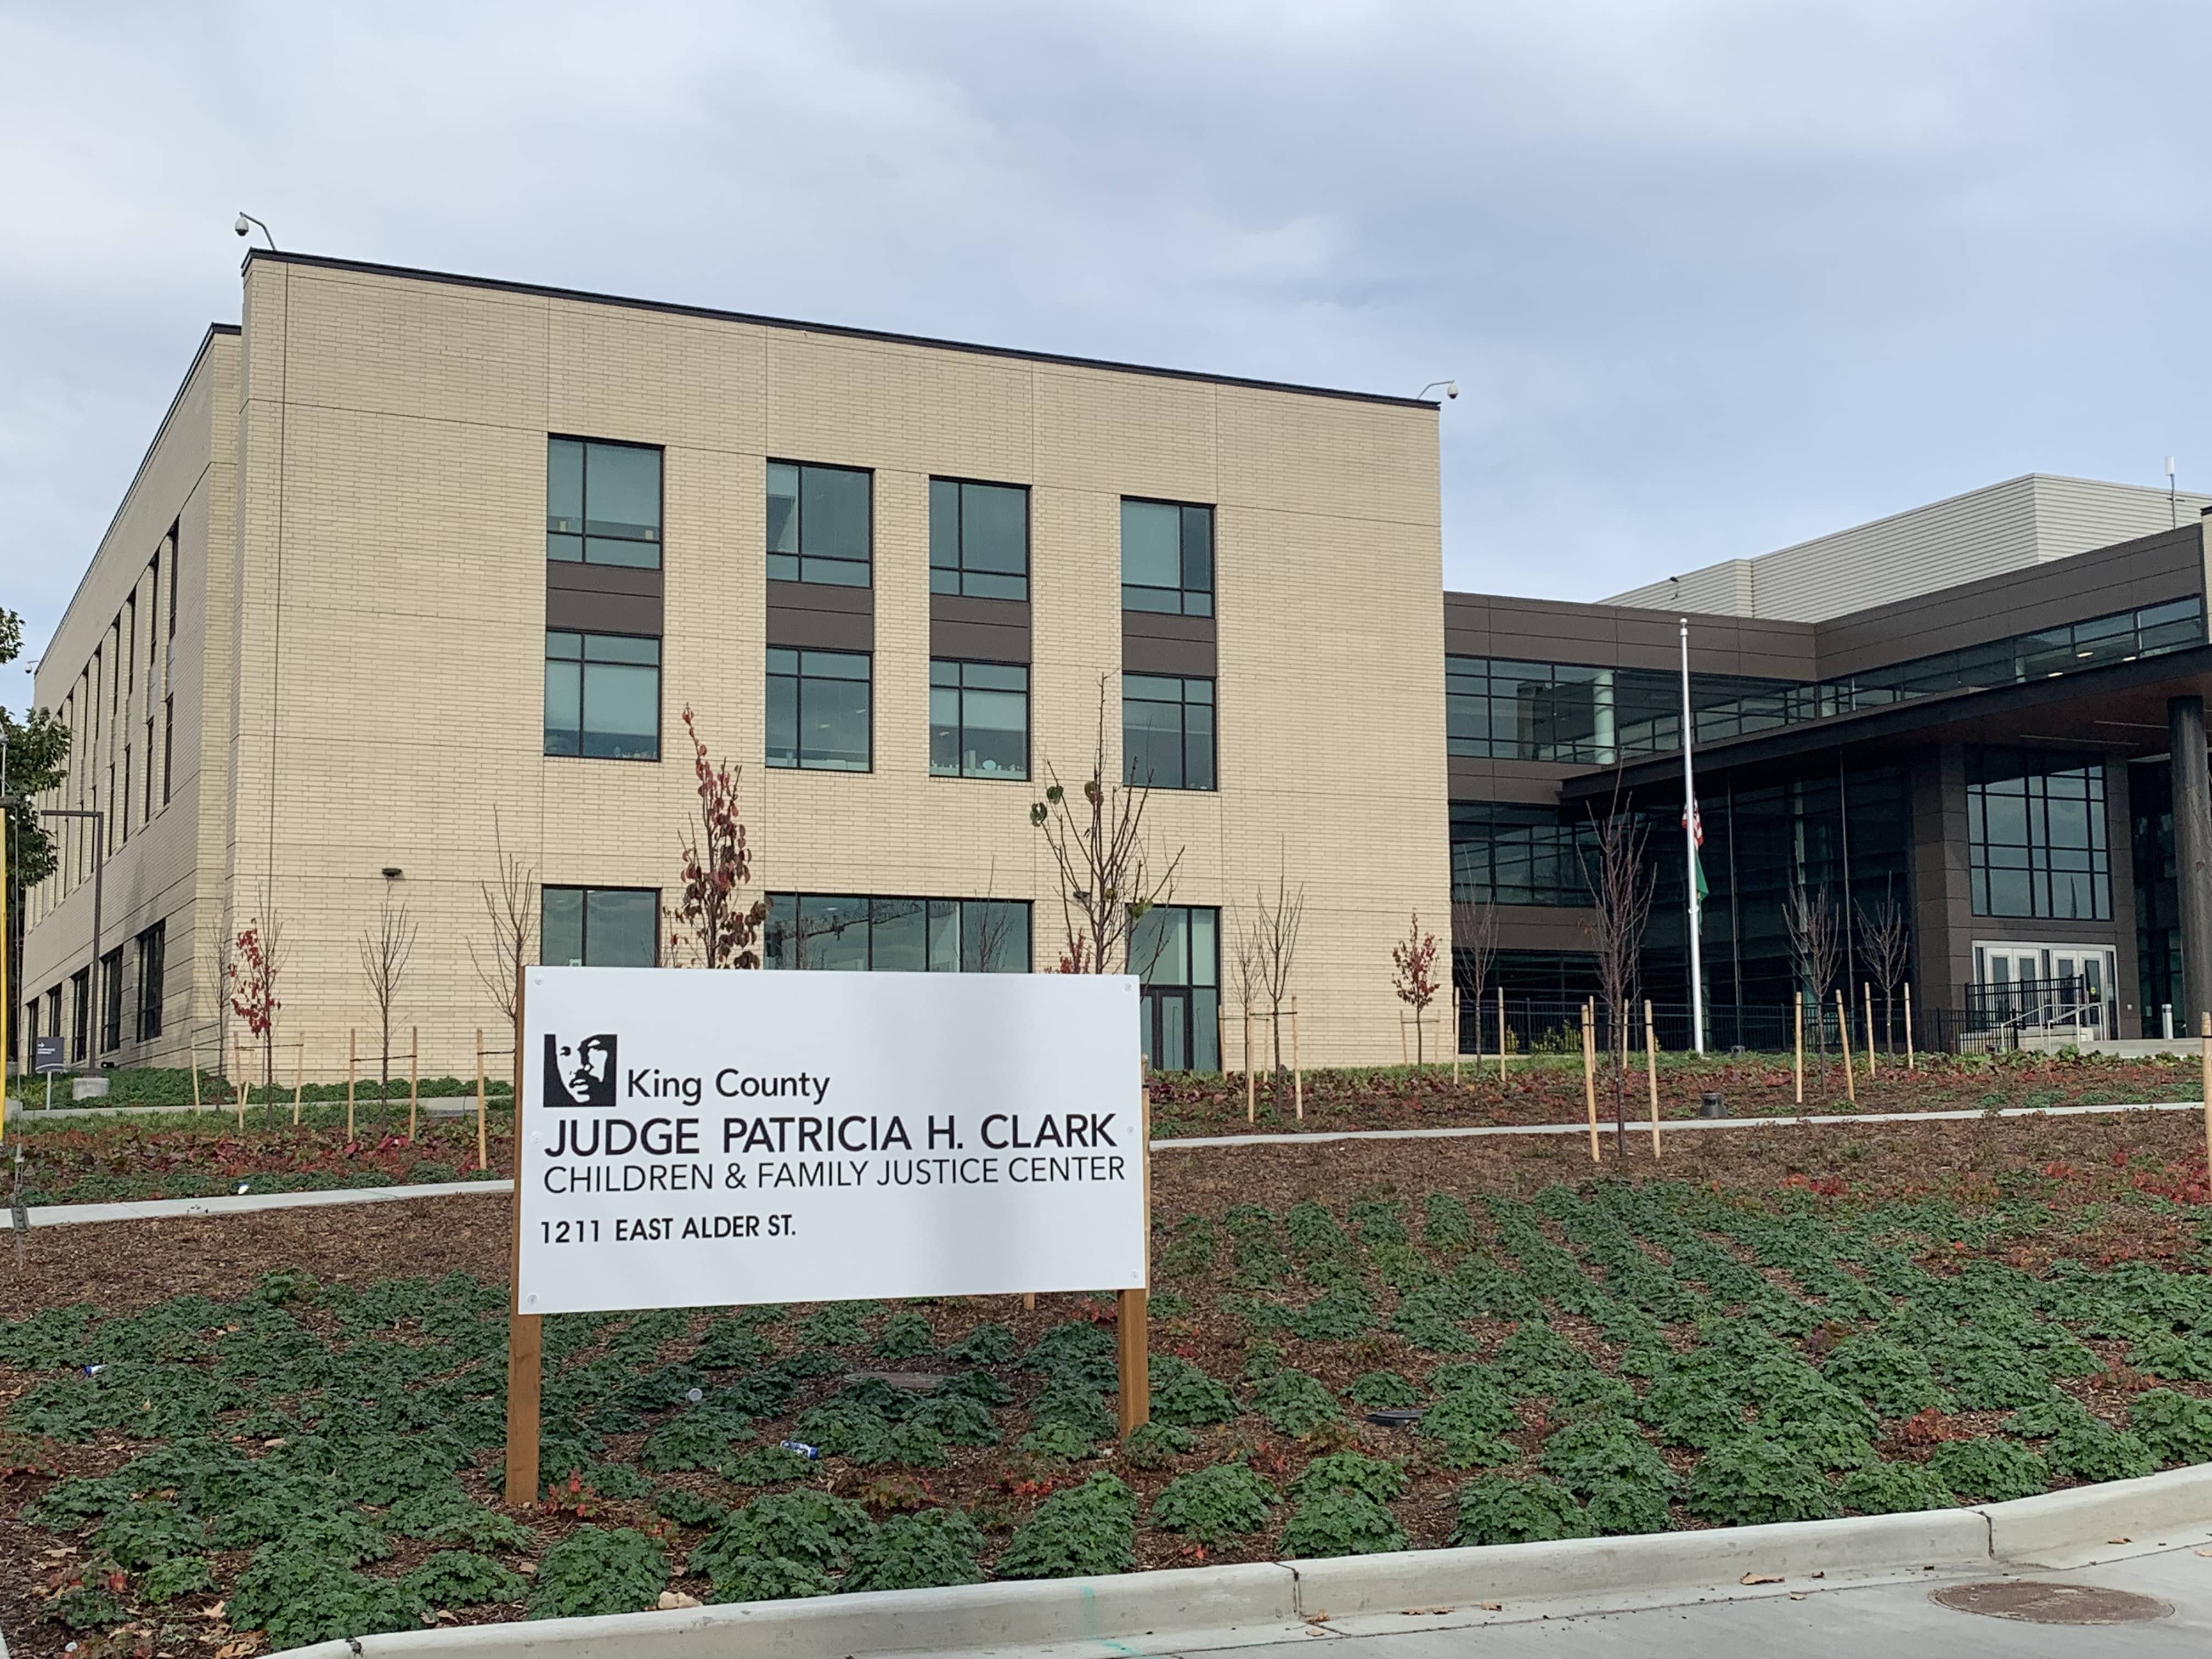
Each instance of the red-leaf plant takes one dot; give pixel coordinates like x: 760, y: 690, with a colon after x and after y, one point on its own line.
x: 719, y: 930
x: 1413, y: 975
x: 253, y: 998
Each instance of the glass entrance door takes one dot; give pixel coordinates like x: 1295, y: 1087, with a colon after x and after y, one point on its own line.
x: 2046, y: 988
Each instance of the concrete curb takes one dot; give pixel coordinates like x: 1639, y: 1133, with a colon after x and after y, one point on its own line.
x: 1187, y: 1609
x: 173, y: 1209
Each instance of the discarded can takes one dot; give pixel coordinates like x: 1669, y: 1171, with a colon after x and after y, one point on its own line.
x: 811, y: 1453
x: 92, y: 1370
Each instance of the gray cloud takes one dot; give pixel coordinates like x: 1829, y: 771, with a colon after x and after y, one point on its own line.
x: 1714, y: 276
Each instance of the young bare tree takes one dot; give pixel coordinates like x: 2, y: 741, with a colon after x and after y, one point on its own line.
x: 1620, y: 909
x: 259, y: 958
x: 1106, y: 884
x: 510, y: 902
x: 1886, y: 944
x: 719, y: 930
x: 1476, y: 924
x: 1245, y: 944
x: 384, y: 955
x: 1276, y: 919
x: 1816, y: 943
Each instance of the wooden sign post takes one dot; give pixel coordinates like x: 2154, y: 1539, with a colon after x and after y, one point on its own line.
x: 1133, y: 1315
x: 1651, y: 1071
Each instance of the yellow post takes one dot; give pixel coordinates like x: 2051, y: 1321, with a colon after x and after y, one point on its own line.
x: 1251, y: 1097
x: 353, y: 1057
x: 1798, y: 1019
x: 1501, y: 1034
x: 299, y: 1079
x: 1844, y: 1037
x: 1589, y: 1075
x: 1651, y: 1071
x: 414, y: 1077
x: 1910, y: 1065
x: 1869, y: 1028
x: 483, y: 1155
x: 1298, y: 1076
x: 192, y: 1053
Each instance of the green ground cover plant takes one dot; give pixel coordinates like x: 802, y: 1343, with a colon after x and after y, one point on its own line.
x: 1602, y: 1358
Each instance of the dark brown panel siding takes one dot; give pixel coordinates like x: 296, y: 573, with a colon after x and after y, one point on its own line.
x: 979, y: 630
x: 814, y: 615
x: 603, y: 599
x: 1152, y: 644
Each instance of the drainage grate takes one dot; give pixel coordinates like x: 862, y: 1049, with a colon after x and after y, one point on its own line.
x: 2044, y: 1603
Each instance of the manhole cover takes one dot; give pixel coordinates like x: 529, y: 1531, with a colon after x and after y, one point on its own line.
x: 2053, y: 1604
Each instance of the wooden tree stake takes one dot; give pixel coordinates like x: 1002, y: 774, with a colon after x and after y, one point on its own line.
x: 299, y: 1079
x: 1797, y: 1020
x: 483, y: 1159
x: 1910, y: 1065
x: 414, y: 1079
x: 1251, y: 1097
x: 524, y: 1333
x: 2206, y: 1041
x: 1298, y: 1075
x: 1589, y: 1075
x: 1844, y: 1037
x: 1651, y: 1071
x: 1869, y: 1028
x: 242, y: 1092
x: 1132, y: 1311
x: 1501, y: 1034
x: 353, y: 1059
x: 193, y: 1049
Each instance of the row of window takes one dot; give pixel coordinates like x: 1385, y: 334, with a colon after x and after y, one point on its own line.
x: 1586, y: 716
x: 602, y: 701
x: 603, y: 506
x: 1175, y: 951
x: 44, y: 1016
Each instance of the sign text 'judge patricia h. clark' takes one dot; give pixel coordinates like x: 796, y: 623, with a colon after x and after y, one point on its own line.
x: 694, y: 1138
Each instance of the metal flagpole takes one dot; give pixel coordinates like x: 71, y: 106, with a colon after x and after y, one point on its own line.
x: 1690, y: 836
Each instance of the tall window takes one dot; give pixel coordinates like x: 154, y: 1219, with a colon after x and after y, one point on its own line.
x: 111, y: 1000
x: 1506, y: 853
x: 859, y: 934
x: 79, y: 1015
x: 820, y: 524
x: 979, y: 720
x: 1175, y: 950
x: 602, y: 696
x: 598, y: 927
x: 1167, y: 558
x: 602, y: 503
x: 168, y: 744
x: 1167, y: 732
x: 152, y: 951
x: 2036, y: 842
x: 818, y: 709
x: 979, y: 539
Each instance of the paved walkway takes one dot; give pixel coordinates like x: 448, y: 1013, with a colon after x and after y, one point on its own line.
x: 1891, y: 1620
x: 64, y: 1215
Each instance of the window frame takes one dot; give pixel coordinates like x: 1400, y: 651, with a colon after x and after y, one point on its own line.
x: 1183, y: 591
x: 959, y: 691
x: 659, y: 541
x: 1182, y: 705
x: 958, y: 571
x: 583, y: 663
x: 801, y: 679
x: 2022, y: 782
x: 584, y: 920
x: 1193, y: 996
x: 801, y: 558
x: 153, y: 965
x: 110, y: 983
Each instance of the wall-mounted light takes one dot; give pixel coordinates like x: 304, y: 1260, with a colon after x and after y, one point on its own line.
x: 392, y: 873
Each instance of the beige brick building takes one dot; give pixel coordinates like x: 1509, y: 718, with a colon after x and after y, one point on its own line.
x: 338, y: 627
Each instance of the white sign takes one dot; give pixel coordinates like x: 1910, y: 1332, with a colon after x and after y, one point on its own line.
x: 695, y: 1138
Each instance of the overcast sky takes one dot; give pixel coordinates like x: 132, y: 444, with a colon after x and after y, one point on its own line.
x: 1713, y: 275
